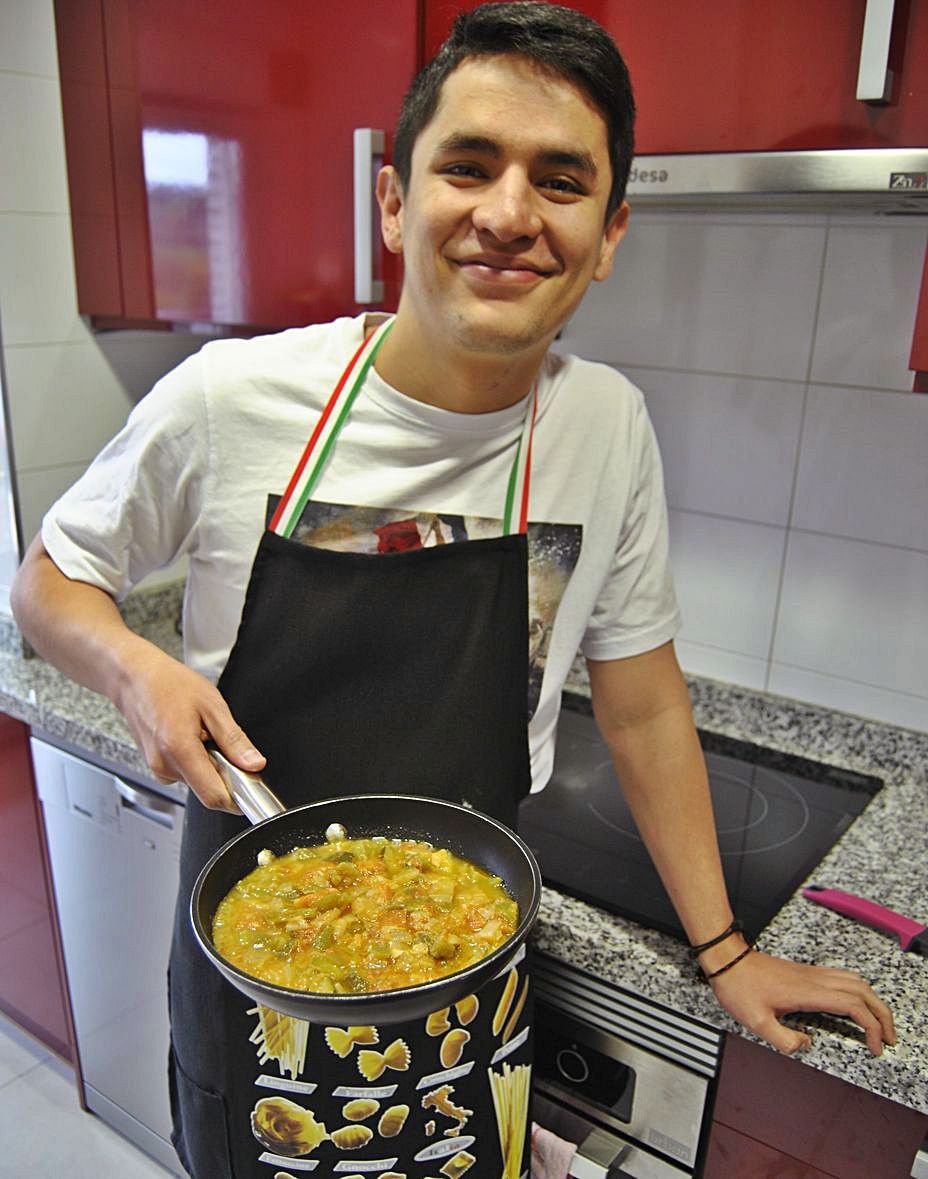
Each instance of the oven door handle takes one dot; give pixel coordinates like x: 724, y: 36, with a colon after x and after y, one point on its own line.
x: 599, y: 1156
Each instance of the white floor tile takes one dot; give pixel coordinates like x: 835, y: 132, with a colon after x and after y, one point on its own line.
x: 45, y: 1132
x: 19, y: 1053
x: 43, y: 1129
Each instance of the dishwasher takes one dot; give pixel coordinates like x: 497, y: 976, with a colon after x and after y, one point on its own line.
x: 114, y: 848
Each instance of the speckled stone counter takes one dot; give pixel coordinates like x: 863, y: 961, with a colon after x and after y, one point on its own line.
x: 883, y: 855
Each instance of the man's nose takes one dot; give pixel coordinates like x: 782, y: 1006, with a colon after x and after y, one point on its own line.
x: 507, y: 208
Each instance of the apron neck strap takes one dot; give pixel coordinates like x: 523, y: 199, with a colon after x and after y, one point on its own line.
x: 319, y: 447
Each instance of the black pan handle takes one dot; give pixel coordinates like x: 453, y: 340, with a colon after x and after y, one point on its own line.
x: 253, y: 796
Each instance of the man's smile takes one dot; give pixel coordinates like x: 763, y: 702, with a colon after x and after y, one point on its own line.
x: 502, y: 268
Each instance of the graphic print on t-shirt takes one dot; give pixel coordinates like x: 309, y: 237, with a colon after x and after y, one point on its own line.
x: 553, y: 552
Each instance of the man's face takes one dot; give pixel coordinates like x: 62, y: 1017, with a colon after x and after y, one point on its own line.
x: 503, y: 226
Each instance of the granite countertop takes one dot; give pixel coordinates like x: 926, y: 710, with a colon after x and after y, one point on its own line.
x: 882, y: 855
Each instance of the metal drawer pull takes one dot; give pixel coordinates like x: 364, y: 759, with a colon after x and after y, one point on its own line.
x: 159, y: 810
x: 598, y: 1156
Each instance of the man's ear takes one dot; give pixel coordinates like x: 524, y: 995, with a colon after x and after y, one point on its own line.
x: 390, y: 199
x: 615, y: 230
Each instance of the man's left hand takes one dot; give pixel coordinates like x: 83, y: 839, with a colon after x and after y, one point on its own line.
x: 761, y: 989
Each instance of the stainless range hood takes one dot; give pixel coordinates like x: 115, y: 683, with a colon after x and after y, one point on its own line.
x: 878, y: 180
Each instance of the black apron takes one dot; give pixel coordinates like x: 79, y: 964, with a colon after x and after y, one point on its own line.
x: 354, y: 673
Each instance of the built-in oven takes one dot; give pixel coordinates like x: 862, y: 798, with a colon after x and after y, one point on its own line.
x: 628, y: 1080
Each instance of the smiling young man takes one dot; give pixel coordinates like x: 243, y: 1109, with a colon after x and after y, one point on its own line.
x: 503, y: 220
x: 475, y: 509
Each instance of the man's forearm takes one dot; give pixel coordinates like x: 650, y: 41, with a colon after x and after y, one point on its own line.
x: 643, y: 710
x: 75, y: 626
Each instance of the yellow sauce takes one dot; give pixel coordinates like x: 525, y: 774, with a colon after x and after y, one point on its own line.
x: 362, y: 915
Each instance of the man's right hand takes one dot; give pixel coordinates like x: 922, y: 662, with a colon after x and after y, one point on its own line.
x: 171, y: 711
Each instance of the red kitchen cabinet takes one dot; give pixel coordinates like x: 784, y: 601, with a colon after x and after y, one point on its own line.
x: 733, y: 77
x: 32, y: 987
x: 776, y: 1116
x: 210, y: 155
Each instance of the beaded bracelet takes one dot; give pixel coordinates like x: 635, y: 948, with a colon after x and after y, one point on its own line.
x: 728, y: 965
x: 735, y: 927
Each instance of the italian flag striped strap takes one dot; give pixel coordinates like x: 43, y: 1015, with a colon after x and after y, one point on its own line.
x: 322, y: 440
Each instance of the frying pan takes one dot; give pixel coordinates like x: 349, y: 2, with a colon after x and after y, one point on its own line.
x: 466, y: 833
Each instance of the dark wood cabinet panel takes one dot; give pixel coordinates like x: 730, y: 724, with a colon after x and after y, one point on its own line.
x: 731, y: 76
x: 810, y: 1117
x: 32, y: 987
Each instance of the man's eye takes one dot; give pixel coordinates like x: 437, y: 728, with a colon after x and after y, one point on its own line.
x: 467, y: 171
x: 562, y: 184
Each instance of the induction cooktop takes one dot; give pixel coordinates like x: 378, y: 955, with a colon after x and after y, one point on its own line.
x: 776, y: 815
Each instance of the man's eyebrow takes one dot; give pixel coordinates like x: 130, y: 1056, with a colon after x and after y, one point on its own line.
x: 462, y: 141
x: 581, y: 161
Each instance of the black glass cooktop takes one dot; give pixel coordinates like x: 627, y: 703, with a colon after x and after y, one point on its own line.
x: 776, y: 816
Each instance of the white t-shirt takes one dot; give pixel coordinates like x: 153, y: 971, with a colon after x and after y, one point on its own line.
x: 192, y: 470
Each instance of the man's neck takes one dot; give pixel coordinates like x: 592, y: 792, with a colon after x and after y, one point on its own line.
x: 451, y: 378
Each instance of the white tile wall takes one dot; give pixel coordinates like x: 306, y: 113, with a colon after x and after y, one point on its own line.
x: 869, y: 294
x: 27, y: 37
x: 33, y: 137
x: 38, y: 299
x: 720, y: 296
x: 863, y: 467
x: 703, y: 422
x: 850, y: 609
x: 66, y: 389
x: 773, y: 353
x: 727, y: 578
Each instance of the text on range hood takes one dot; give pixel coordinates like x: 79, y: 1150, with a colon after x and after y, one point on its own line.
x: 879, y: 180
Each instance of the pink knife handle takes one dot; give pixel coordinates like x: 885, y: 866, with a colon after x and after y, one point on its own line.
x: 867, y: 912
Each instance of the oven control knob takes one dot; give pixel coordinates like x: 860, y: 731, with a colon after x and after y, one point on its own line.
x: 572, y: 1066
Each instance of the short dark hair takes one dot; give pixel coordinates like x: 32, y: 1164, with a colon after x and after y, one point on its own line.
x: 559, y: 39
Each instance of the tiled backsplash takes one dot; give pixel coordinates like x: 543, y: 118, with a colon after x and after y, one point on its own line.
x: 773, y: 354
x: 772, y: 350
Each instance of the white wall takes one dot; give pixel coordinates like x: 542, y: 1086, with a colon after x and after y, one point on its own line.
x: 67, y: 390
x: 773, y: 353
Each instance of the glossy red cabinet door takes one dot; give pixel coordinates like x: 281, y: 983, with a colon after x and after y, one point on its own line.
x: 736, y: 76
x: 32, y: 990
x: 777, y: 1116
x: 230, y: 123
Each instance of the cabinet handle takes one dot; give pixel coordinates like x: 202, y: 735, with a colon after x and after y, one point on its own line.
x: 368, y: 144
x: 874, y: 77
x: 159, y: 810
